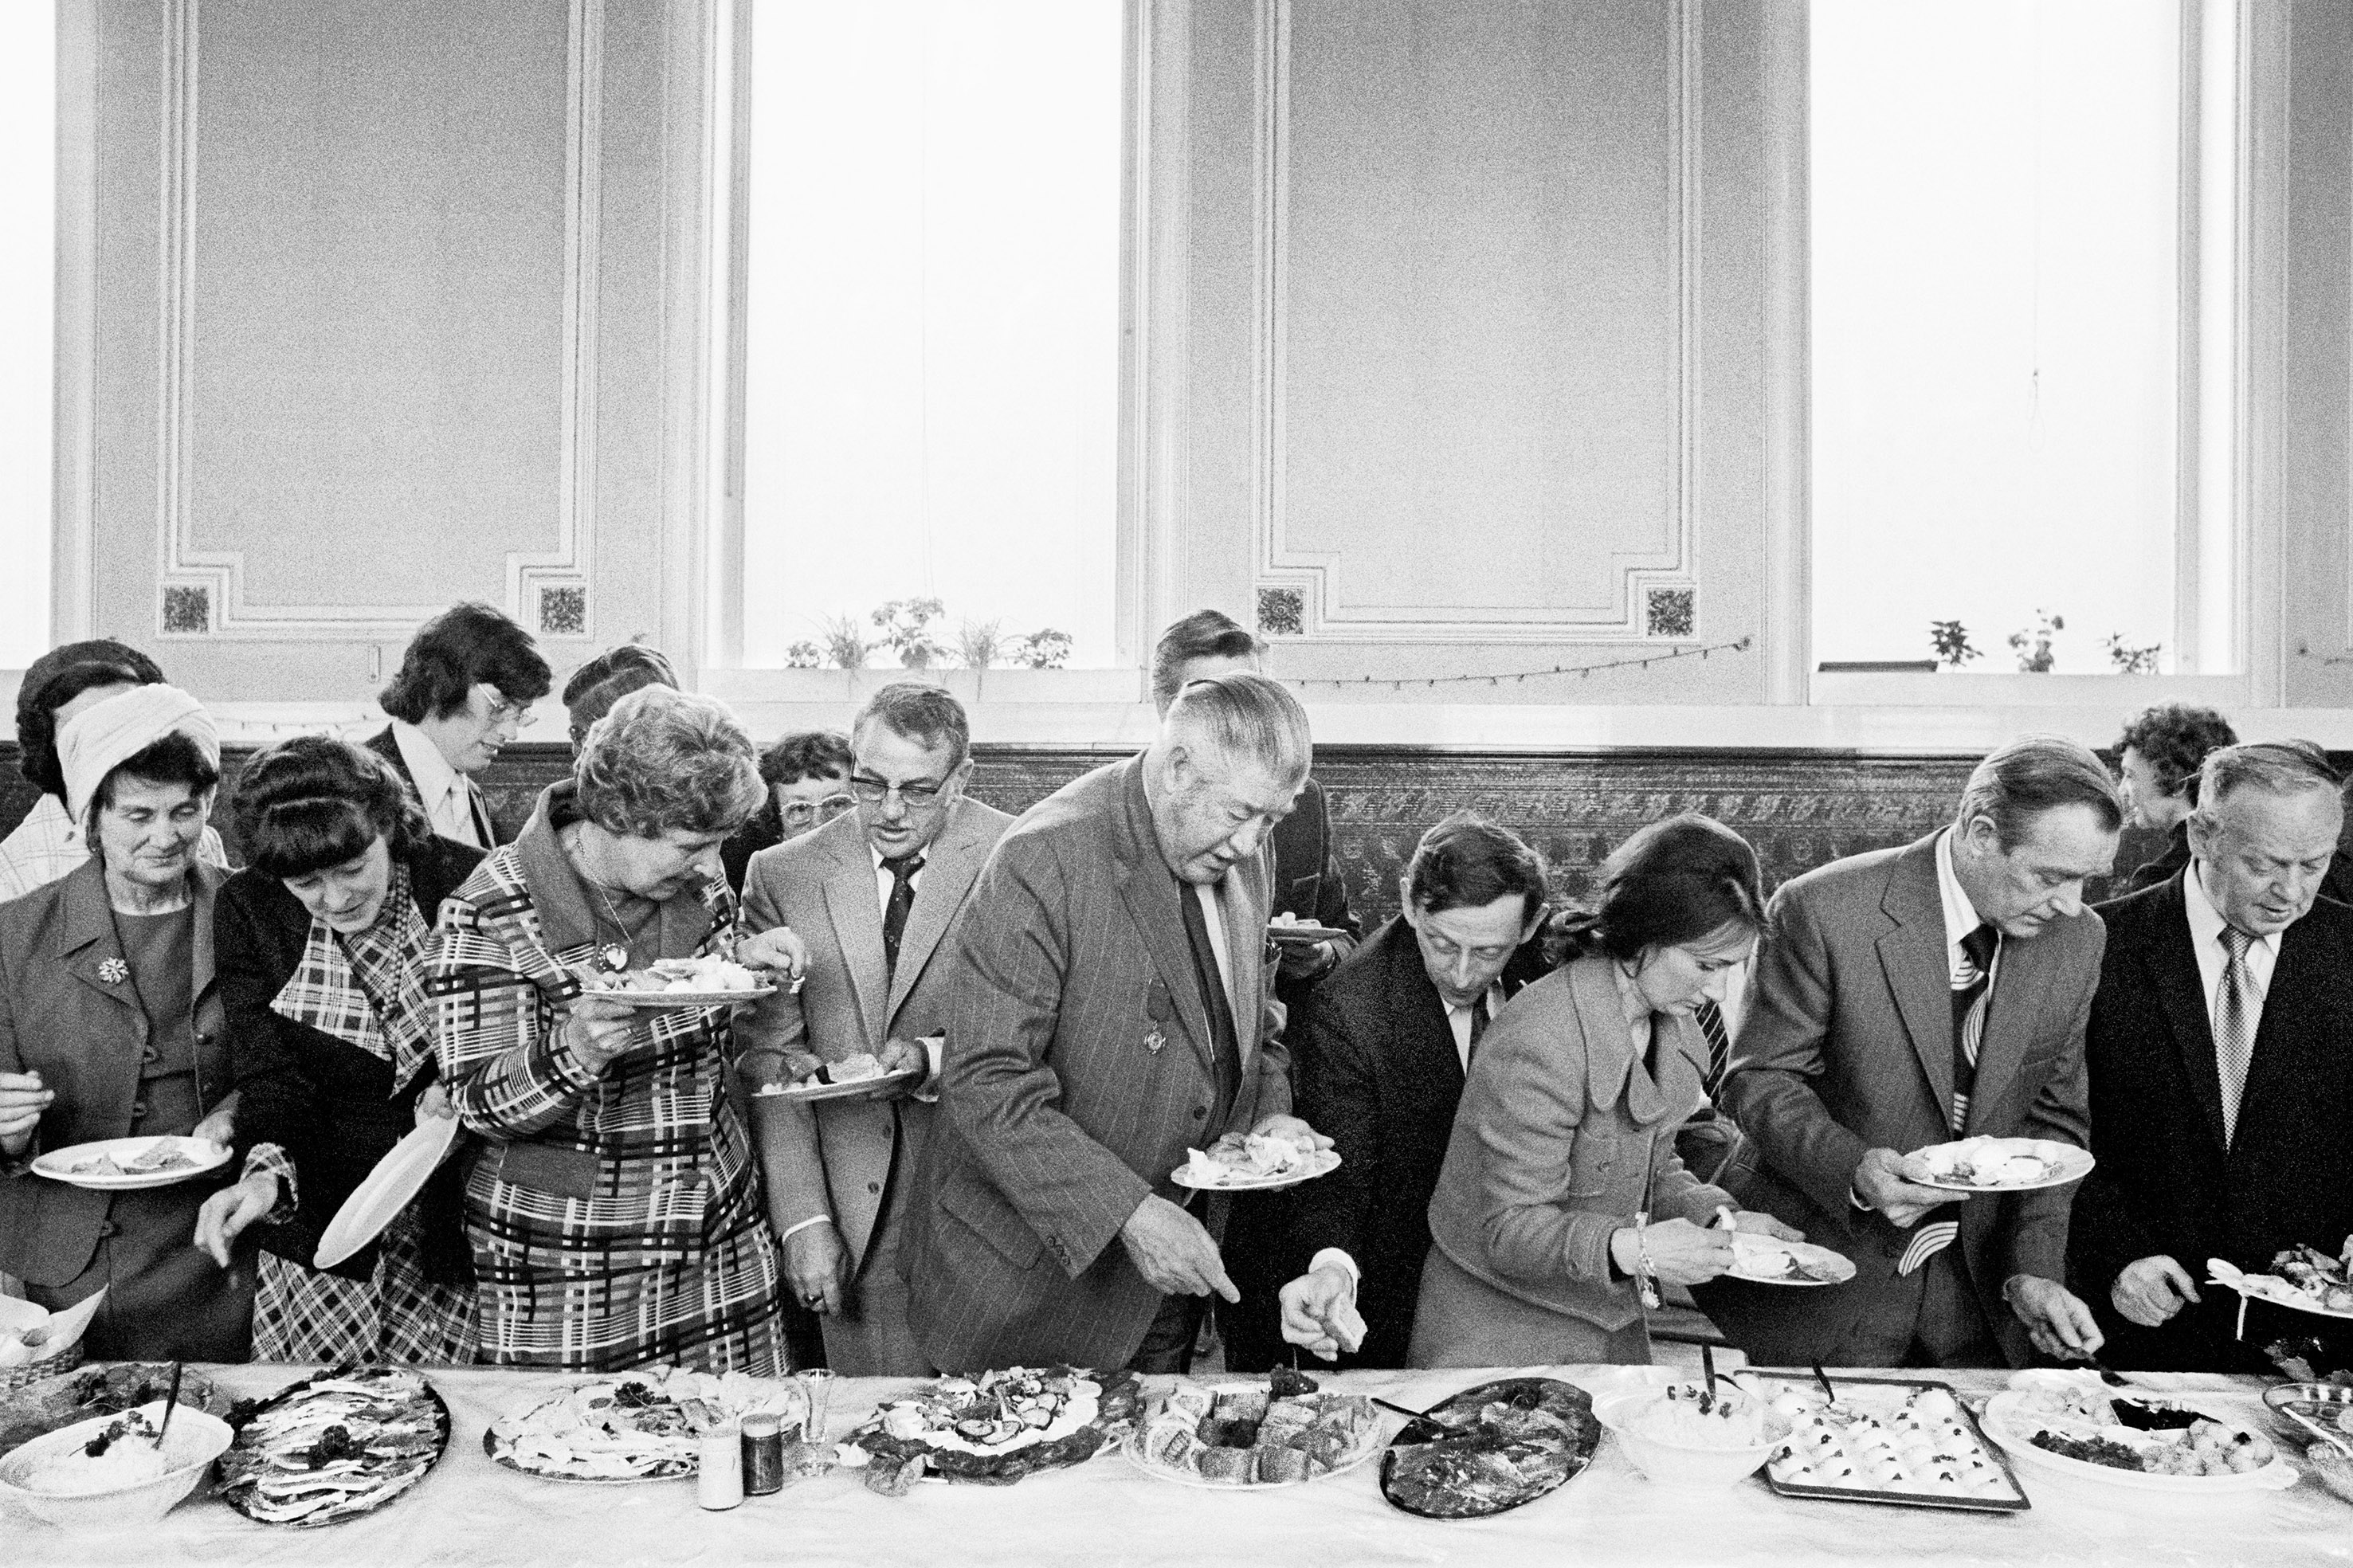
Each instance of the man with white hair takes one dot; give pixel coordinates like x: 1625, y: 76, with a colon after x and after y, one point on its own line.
x: 1109, y: 1007
x: 2222, y: 1109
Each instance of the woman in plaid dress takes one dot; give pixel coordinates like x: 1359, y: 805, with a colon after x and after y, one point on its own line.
x: 321, y: 944
x: 615, y: 1209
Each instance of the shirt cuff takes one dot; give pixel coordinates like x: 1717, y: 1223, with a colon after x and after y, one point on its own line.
x: 1856, y: 1199
x: 270, y: 1160
x: 788, y: 1233
x: 1336, y: 1259
x: 928, y: 1092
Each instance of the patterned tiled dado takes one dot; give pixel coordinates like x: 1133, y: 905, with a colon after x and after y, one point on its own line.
x: 1800, y: 809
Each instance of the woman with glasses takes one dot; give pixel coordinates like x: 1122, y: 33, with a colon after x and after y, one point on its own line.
x: 1562, y: 1206
x: 615, y: 1207
x: 321, y: 941
x: 464, y: 689
x: 808, y: 779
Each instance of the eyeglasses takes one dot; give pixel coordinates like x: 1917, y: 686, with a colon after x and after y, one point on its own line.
x: 913, y: 796
x: 500, y: 709
x: 809, y: 813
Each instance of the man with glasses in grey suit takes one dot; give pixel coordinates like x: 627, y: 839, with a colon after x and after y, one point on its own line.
x: 1110, y: 1007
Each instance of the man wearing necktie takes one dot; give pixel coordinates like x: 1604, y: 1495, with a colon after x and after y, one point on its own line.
x: 1379, y: 1053
x: 2221, y: 1106
x: 876, y: 894
x: 1110, y: 1007
x: 464, y: 689
x: 1909, y: 998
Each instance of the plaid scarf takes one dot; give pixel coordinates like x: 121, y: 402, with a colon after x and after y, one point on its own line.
x: 367, y: 989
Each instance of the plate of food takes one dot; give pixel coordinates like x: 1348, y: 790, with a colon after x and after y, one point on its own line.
x: 641, y: 1425
x: 1883, y: 1440
x: 1490, y: 1449
x: 2000, y: 1164
x: 55, y: 1402
x: 994, y: 1427
x: 1767, y: 1260
x: 1279, y: 1431
x: 1304, y: 933
x: 2303, y: 1279
x: 1247, y: 1163
x: 855, y: 1077
x: 333, y: 1446
x: 707, y: 982
x: 133, y: 1165
x: 2072, y: 1425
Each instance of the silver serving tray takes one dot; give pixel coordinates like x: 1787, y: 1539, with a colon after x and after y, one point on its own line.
x: 1992, y: 1450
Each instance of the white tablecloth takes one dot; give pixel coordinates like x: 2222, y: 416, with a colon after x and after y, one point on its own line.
x: 472, y: 1511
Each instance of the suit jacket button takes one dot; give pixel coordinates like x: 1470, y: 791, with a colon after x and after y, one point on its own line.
x: 1201, y: 1112
x: 106, y: 1227
x: 138, y: 1109
x: 873, y: 1186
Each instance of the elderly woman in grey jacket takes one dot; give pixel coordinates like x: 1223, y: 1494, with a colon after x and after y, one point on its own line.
x: 1562, y: 1202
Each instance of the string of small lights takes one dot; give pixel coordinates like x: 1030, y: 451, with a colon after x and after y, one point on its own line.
x: 1518, y: 677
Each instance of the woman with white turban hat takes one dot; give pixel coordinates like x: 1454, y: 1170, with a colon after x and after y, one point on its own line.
x: 111, y: 1027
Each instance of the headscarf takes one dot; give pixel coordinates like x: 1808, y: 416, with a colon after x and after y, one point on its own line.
x: 105, y: 735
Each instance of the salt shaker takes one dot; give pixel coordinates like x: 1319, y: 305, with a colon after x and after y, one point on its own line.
x: 719, y: 1475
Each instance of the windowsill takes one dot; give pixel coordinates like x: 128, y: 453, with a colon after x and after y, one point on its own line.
x: 1964, y: 689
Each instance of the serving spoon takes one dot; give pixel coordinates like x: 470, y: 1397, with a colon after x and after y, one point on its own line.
x: 171, y: 1403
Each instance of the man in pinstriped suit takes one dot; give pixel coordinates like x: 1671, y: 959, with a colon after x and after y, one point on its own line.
x: 1110, y: 1007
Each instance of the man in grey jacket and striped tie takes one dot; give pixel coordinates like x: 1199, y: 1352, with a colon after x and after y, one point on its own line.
x: 1909, y: 998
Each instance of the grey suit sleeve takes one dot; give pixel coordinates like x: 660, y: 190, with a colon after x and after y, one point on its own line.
x: 2061, y: 1112
x: 1006, y: 983
x: 775, y: 1023
x: 1779, y: 1056
x: 792, y: 1147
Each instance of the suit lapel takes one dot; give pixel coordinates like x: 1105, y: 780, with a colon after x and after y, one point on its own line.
x: 949, y: 868
x: 854, y: 903
x: 88, y: 945
x: 1913, y: 957
x: 1425, y: 1038
x: 1150, y: 893
x: 2173, y: 977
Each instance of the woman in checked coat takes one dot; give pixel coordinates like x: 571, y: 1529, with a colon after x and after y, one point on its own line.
x: 614, y: 1209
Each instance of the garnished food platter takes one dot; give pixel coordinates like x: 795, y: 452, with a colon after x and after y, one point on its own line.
x: 1282, y: 1431
x: 2067, y: 1426
x: 1247, y: 1163
x: 2304, y: 1280
x: 633, y: 1426
x: 133, y: 1165
x: 1896, y: 1441
x: 709, y: 982
x: 1490, y: 1448
x: 996, y: 1428
x: 1768, y: 1260
x: 2001, y: 1164
x: 333, y: 1446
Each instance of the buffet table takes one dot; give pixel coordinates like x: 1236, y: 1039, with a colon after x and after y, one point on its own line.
x: 472, y: 1511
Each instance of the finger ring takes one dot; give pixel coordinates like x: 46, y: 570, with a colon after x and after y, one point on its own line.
x: 814, y: 1299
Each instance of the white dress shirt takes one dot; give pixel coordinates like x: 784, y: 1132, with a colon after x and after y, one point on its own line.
x: 2206, y: 924
x: 1458, y: 1020
x: 882, y: 877
x: 1961, y: 916
x: 445, y: 793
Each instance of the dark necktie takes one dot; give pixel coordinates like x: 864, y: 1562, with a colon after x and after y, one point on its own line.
x: 1225, y: 1043
x: 1719, y: 1046
x: 2234, y: 1030
x: 1478, y: 1027
x: 1972, y: 980
x: 894, y: 913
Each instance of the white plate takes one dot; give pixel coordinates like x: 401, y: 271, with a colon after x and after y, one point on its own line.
x: 1323, y: 1162
x: 397, y: 1178
x: 1747, y: 1248
x: 1304, y: 933
x: 2015, y: 1433
x: 2073, y: 1165
x: 856, y: 1089
x: 672, y: 1001
x: 2267, y: 1288
x: 57, y: 1164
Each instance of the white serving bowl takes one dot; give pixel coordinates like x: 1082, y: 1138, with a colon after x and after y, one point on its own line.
x: 195, y: 1440
x: 1671, y: 1464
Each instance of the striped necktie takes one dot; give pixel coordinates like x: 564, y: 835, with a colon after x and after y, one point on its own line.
x: 2235, y: 1028
x: 1719, y: 1046
x: 1972, y: 983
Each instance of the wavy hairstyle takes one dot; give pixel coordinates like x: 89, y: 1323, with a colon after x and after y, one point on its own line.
x: 1242, y: 718
x: 664, y: 761
x: 55, y: 678
x: 457, y: 649
x: 1672, y: 882
x: 312, y: 801
x: 2173, y: 738
x: 1467, y: 860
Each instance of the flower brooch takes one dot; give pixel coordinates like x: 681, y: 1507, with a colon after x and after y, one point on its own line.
x: 113, y: 971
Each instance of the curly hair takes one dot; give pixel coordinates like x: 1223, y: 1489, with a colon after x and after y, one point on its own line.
x: 612, y: 675
x: 1670, y: 883
x: 55, y: 678
x: 457, y: 649
x: 312, y: 801
x: 807, y: 754
x: 665, y: 761
x: 2174, y: 739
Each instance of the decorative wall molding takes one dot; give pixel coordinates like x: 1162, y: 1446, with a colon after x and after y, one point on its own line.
x: 1319, y: 576
x: 181, y: 562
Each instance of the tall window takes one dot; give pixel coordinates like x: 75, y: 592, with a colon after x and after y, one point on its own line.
x: 1996, y: 250
x: 932, y: 350
x: 28, y: 270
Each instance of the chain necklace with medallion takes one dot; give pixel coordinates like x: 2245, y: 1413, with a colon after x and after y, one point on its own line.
x: 613, y: 956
